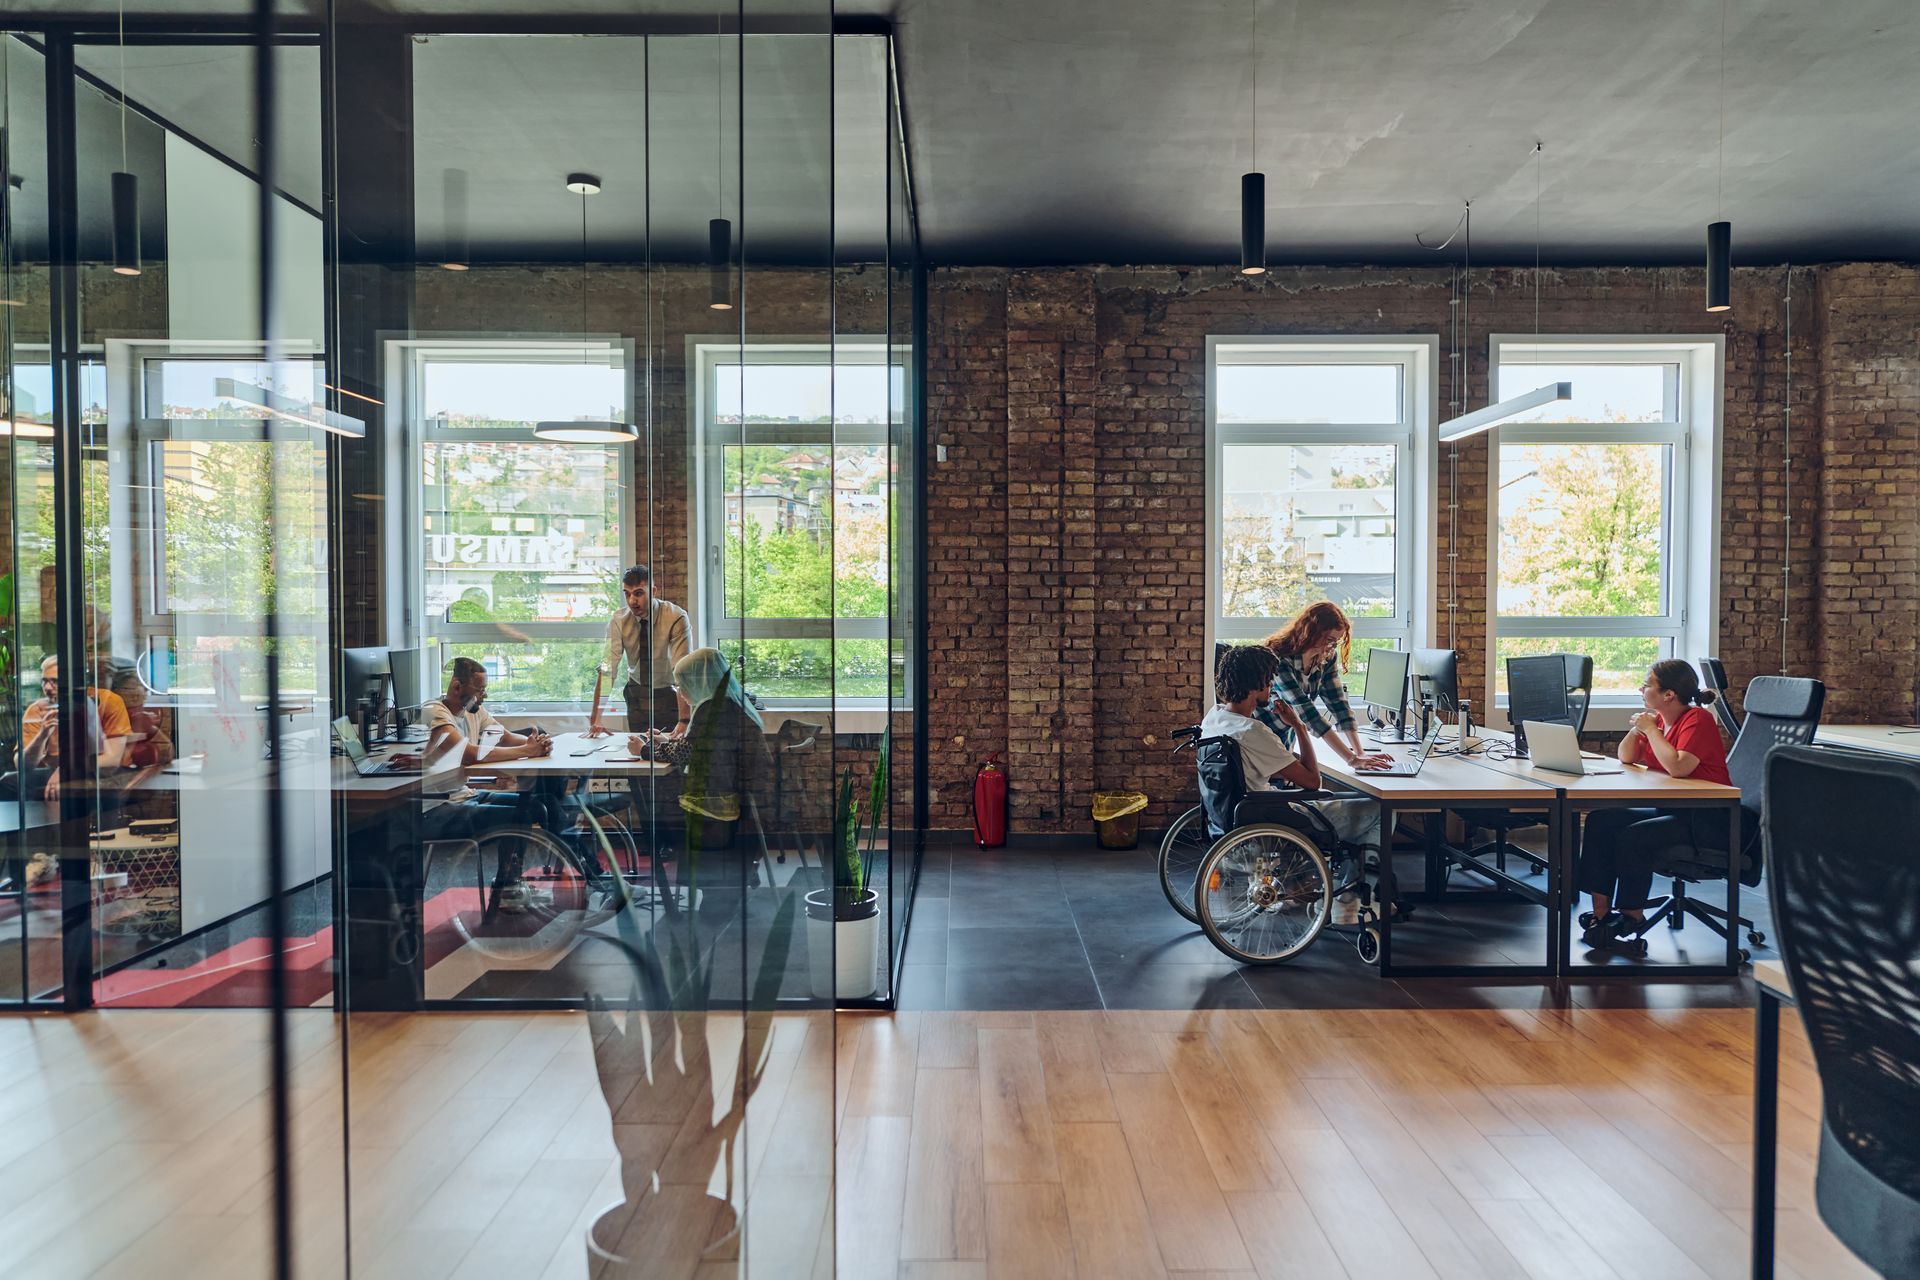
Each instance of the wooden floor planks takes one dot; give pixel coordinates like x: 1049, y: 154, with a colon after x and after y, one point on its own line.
x: 1548, y: 1143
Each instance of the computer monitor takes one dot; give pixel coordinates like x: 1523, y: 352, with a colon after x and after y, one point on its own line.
x: 408, y: 694
x: 1386, y: 687
x: 1436, y: 675
x: 1536, y: 690
x: 365, y: 673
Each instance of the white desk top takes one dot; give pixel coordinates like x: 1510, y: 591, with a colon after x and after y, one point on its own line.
x: 575, y: 754
x: 1444, y: 779
x: 1772, y: 975
x: 1893, y: 739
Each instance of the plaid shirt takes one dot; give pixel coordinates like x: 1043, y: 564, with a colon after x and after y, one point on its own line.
x: 1300, y: 687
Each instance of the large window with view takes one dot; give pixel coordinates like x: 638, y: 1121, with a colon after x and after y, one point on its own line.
x: 798, y: 512
x: 518, y: 541
x: 1599, y: 499
x: 1315, y: 464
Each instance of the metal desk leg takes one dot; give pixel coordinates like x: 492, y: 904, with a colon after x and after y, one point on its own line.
x: 1388, y: 891
x: 1556, y: 883
x: 1567, y: 825
x: 1766, y: 1111
x: 1733, y: 888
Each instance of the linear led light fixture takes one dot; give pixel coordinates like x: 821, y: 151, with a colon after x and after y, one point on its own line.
x: 287, y: 409
x: 1472, y: 424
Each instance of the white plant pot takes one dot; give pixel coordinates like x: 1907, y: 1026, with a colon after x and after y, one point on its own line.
x: 843, y: 945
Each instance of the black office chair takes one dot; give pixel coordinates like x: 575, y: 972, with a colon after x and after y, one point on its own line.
x: 1504, y: 824
x: 1713, y: 675
x: 1782, y: 711
x: 1846, y: 899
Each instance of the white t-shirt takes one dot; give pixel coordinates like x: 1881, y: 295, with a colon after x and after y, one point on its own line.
x: 468, y: 725
x: 1262, y: 754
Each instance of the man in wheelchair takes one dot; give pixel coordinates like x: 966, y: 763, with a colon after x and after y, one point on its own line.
x: 1349, y: 829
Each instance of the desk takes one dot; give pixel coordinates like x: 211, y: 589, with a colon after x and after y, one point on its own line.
x: 1447, y: 782
x: 1480, y: 781
x: 1771, y: 976
x: 564, y: 763
x: 1892, y: 739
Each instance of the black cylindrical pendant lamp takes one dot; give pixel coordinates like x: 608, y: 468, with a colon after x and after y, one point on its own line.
x: 1253, y: 224
x: 126, y: 224
x: 1719, y: 266
x: 720, y: 264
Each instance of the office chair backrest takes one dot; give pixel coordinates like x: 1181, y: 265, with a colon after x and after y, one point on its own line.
x: 1223, y: 783
x: 1713, y: 675
x: 1579, y: 689
x: 1782, y: 711
x: 1846, y: 906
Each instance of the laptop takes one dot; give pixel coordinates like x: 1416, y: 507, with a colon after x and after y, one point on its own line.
x: 1556, y: 747
x: 1409, y: 765
x: 363, y: 764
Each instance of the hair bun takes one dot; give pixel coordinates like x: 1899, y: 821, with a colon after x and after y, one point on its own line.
x: 1704, y: 697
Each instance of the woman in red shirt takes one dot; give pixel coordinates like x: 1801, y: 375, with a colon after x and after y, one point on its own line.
x: 1675, y: 735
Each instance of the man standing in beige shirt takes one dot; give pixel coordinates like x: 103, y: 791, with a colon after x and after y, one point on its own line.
x: 649, y: 636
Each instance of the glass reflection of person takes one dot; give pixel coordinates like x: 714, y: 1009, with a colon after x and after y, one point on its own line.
x: 649, y: 636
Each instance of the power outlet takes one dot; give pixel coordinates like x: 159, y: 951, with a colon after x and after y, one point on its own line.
x: 939, y: 453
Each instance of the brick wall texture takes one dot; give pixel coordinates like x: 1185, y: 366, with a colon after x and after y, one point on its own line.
x: 1066, y: 575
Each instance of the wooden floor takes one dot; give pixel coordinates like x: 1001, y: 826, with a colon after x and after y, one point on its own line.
x: 1477, y: 1143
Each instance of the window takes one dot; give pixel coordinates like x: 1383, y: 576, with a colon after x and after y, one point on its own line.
x: 518, y: 542
x: 1317, y: 461
x: 1598, y: 547
x: 797, y: 503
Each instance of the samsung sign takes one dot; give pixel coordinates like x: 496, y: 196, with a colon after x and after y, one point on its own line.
x: 500, y: 551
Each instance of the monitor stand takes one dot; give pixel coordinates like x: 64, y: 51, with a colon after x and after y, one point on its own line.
x: 1395, y: 730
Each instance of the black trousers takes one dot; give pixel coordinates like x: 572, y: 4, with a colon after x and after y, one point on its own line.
x: 1620, y: 848
x: 650, y: 708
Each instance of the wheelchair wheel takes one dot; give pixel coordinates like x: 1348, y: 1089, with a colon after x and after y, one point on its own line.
x: 515, y: 895
x: 1263, y: 893
x: 1182, y: 850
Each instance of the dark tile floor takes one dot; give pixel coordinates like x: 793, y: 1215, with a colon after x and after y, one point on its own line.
x: 1087, y: 928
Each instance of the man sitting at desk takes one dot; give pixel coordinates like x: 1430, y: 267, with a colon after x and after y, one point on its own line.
x: 1244, y: 685
x: 457, y: 725
x: 40, y: 733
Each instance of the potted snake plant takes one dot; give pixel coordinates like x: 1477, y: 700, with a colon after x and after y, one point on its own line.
x: 843, y: 921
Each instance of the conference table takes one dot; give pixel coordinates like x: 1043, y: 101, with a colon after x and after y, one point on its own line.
x: 1487, y: 779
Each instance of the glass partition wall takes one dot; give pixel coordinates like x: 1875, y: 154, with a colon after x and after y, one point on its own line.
x: 471, y: 484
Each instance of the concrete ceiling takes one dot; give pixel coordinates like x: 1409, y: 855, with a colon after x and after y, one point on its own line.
x: 1060, y: 131
x: 1050, y: 131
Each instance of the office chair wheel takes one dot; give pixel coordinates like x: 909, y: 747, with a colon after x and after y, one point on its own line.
x: 1757, y: 938
x: 1367, y: 943
x: 1181, y: 851
x: 515, y: 895
x: 1746, y: 957
x: 1263, y: 893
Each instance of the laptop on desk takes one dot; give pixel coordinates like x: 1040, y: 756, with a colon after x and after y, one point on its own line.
x: 1408, y: 766
x: 363, y: 764
x: 1556, y: 747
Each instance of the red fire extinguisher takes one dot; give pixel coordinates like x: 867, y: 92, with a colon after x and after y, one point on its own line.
x: 990, y: 804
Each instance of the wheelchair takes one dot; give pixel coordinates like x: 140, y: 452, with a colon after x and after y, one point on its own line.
x: 1258, y: 871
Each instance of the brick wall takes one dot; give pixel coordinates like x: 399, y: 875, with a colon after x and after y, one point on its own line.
x: 1011, y: 355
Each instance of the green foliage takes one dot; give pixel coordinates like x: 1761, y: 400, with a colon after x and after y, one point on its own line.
x: 1585, y: 541
x: 853, y: 866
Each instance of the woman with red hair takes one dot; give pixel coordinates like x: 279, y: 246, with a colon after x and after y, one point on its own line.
x: 1313, y: 649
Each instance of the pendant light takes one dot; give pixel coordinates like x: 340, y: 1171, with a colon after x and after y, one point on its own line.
x: 719, y: 229
x: 126, y: 187
x: 1253, y: 186
x: 453, y: 211
x: 1472, y: 424
x: 1720, y: 233
x: 585, y: 430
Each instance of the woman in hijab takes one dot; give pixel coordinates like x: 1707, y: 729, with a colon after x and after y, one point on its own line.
x: 723, y: 758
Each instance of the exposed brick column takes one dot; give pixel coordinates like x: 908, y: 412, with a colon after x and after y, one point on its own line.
x: 966, y: 534
x: 1050, y: 661
x: 1869, y: 483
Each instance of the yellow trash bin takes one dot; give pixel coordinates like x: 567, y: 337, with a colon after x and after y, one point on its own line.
x: 1116, y: 817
